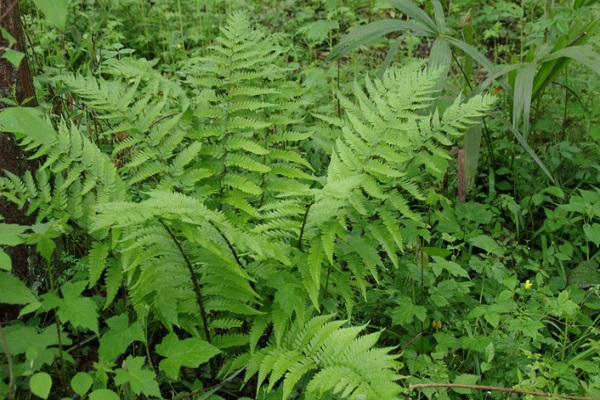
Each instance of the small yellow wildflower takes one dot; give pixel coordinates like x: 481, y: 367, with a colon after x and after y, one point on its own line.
x: 179, y: 47
x: 528, y: 284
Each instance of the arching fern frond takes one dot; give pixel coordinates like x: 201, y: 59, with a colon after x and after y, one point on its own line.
x: 387, y: 147
x: 331, y: 359
x: 248, y: 116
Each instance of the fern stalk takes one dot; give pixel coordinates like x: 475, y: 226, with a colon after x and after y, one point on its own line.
x: 197, y: 291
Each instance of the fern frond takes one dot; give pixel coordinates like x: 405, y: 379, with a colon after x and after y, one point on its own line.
x: 344, y: 363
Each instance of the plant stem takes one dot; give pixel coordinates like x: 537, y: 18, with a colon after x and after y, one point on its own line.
x: 199, y: 298
x: 490, y: 388
x: 11, y: 367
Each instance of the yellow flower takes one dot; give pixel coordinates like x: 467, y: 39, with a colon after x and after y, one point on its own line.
x: 179, y: 47
x: 528, y: 284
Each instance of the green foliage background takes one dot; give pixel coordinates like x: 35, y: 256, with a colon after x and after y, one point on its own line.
x: 226, y: 214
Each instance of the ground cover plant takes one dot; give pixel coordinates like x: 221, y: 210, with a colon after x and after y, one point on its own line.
x: 306, y: 200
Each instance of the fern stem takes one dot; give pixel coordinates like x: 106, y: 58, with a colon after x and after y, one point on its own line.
x: 229, y: 245
x: 199, y: 298
x: 303, y: 226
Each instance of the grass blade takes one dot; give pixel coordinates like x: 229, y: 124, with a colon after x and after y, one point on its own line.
x: 522, y: 94
x: 372, y: 31
x: 413, y: 11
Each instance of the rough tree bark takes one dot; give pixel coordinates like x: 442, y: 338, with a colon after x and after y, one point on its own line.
x: 19, y: 83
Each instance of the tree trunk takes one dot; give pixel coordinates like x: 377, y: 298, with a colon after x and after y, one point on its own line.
x: 19, y: 83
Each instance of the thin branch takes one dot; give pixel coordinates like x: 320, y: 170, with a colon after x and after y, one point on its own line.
x: 218, y: 385
x: 492, y: 388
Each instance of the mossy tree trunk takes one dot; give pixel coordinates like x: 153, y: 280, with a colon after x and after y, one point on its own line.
x: 16, y: 84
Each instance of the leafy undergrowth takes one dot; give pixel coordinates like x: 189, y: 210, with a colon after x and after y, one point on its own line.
x: 224, y: 214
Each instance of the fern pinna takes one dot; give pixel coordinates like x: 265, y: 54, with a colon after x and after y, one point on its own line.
x: 209, y: 214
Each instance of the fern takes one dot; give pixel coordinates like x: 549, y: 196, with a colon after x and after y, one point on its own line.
x: 330, y: 359
x: 247, y: 113
x: 386, y: 148
x: 204, y: 205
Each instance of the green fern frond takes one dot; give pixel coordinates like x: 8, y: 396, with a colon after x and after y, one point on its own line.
x: 332, y: 359
x: 247, y: 113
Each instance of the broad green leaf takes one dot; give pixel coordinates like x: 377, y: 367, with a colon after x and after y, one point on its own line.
x: 119, y: 337
x: 11, y: 234
x: 7, y: 36
x: 5, y: 261
x: 406, y: 312
x: 141, y: 380
x: 440, y: 264
x: 189, y: 353
x: 43, y: 235
x: 592, y: 233
x: 475, y: 212
x: 80, y: 311
x: 486, y: 243
x: 30, y: 308
x: 522, y: 95
x: 13, y: 291
x: 587, y: 273
x: 414, y: 12
x: 55, y: 11
x: 81, y: 383
x: 374, y: 30
x: 477, y: 343
x: 444, y: 292
x: 40, y: 384
x: 465, y: 379
x: 584, y: 54
x: 21, y: 338
x: 492, y: 318
x: 13, y: 57
x: 104, y: 394
x: 28, y: 121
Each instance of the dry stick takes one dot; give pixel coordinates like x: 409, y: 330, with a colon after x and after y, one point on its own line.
x: 11, y: 367
x: 495, y: 388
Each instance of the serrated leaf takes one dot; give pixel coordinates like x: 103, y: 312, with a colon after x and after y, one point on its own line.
x: 406, y: 312
x: 13, y: 291
x: 189, y: 353
x: 27, y: 121
x: 486, y: 243
x: 118, y: 338
x: 141, y: 380
x: 440, y: 264
x: 80, y: 311
x: 587, y: 273
x: 97, y: 261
